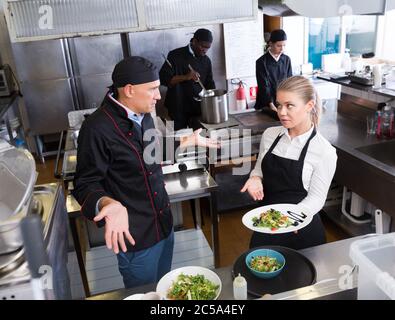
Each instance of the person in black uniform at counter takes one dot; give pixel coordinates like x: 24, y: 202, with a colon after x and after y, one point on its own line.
x: 295, y: 165
x: 273, y: 67
x: 183, y: 89
x: 114, y: 184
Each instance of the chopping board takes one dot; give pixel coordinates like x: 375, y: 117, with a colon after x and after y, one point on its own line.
x: 255, y: 119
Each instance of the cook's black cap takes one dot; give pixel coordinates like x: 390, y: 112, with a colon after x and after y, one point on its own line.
x: 203, y: 35
x: 134, y: 70
x: 278, y: 35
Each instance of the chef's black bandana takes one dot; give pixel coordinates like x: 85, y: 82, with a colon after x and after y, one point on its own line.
x: 278, y: 35
x: 134, y: 70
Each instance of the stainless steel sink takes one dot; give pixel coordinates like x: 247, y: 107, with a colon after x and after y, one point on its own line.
x: 383, y: 152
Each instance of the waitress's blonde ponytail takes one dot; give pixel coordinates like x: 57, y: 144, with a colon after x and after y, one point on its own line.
x: 305, y: 90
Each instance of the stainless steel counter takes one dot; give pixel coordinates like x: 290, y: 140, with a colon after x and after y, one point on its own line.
x: 331, y: 261
x: 369, y: 89
x: 363, y: 174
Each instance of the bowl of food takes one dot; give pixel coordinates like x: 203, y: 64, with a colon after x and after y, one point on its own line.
x: 190, y: 283
x: 265, y: 263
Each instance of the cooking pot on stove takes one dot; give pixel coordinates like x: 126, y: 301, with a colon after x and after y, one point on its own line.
x: 214, y: 106
x: 18, y: 177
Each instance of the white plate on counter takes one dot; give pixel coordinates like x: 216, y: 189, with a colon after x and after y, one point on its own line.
x: 136, y: 296
x: 292, y: 211
x: 167, y: 281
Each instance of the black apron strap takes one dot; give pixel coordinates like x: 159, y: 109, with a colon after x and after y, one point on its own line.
x: 304, y: 150
x: 274, y: 143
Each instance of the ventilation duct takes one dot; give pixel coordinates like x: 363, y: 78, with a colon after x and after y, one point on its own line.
x: 30, y: 20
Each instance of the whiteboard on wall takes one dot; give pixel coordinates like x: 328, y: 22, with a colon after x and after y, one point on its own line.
x: 244, y: 44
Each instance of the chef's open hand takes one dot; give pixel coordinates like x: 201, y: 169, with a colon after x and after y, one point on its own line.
x: 192, y: 75
x: 254, y: 187
x: 195, y: 139
x: 117, y: 224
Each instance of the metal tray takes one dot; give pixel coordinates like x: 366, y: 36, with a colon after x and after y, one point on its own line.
x: 361, y: 80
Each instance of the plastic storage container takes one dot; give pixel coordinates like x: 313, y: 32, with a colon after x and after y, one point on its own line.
x: 375, y: 257
x: 390, y: 80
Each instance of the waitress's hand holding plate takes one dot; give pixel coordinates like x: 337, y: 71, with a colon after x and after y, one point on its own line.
x: 295, y: 219
x: 254, y: 187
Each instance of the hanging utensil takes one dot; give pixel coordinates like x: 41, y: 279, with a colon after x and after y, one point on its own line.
x: 36, y: 255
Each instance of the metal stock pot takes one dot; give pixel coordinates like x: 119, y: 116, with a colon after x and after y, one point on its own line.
x: 214, y: 106
x: 18, y: 177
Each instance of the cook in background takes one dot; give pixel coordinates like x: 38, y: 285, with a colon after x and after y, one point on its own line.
x: 295, y: 165
x: 273, y: 67
x: 181, y: 81
x: 114, y: 184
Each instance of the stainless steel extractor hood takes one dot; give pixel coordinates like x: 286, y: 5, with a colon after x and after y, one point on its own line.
x: 31, y: 20
x: 276, y: 8
x: 322, y: 9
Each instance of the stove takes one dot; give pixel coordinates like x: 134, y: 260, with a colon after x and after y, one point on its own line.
x: 14, y: 271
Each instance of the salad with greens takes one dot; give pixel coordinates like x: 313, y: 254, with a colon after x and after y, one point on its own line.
x: 265, y: 264
x: 272, y: 219
x: 188, y: 287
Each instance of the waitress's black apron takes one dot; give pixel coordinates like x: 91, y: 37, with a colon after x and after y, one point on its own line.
x: 282, y: 182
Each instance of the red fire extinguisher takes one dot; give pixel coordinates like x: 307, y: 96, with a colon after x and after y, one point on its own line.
x: 241, y: 101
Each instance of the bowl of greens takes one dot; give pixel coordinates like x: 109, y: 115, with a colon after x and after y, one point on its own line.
x: 265, y: 263
x: 190, y: 283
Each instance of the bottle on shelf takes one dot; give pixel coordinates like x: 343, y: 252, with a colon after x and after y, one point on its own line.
x: 346, y: 61
x: 387, y: 125
x: 377, y: 76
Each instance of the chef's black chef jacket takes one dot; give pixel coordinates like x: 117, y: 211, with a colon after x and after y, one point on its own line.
x: 110, y: 163
x: 269, y: 73
x: 180, y: 98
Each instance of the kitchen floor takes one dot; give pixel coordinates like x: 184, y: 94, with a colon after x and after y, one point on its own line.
x: 233, y: 236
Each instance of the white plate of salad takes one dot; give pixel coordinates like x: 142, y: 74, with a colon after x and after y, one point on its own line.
x: 190, y: 283
x: 276, y: 218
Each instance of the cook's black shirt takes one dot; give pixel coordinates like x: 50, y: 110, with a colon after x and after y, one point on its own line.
x: 110, y: 162
x: 179, y: 98
x: 269, y: 73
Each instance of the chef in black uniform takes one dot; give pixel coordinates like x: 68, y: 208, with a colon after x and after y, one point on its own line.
x: 183, y: 89
x: 114, y: 183
x: 273, y: 67
x: 296, y: 164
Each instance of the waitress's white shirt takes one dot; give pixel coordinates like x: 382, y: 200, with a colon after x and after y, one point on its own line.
x: 319, y: 164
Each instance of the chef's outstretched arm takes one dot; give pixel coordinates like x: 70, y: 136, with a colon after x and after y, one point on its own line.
x: 195, y: 139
